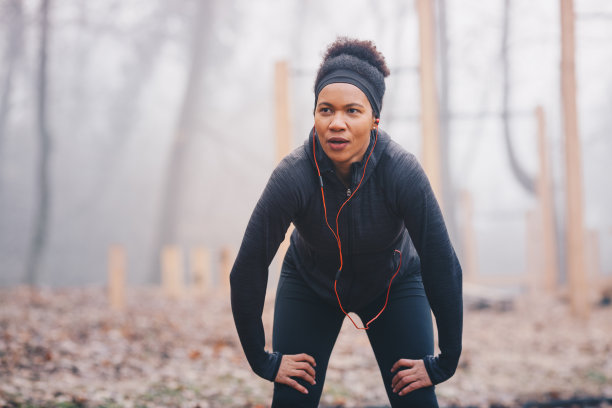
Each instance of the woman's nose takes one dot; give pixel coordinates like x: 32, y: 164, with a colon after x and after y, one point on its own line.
x: 337, y: 122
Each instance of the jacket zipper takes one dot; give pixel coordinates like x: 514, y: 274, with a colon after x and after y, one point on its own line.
x: 349, y: 230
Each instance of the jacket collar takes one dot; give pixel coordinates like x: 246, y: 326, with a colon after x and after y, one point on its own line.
x: 327, y: 166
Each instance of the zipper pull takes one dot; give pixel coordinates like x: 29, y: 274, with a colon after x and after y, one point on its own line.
x: 348, y: 192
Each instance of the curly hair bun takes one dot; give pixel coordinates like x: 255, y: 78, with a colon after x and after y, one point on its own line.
x: 364, y: 50
x: 355, y: 62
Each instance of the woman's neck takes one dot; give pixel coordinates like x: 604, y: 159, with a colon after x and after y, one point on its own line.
x: 344, y: 173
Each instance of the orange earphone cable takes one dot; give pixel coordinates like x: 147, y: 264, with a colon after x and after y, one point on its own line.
x: 367, y: 326
x: 337, y: 232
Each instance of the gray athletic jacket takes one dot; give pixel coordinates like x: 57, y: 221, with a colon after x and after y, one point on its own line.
x: 394, y: 208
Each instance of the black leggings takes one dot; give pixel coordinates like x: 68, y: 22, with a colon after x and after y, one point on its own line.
x: 304, y: 323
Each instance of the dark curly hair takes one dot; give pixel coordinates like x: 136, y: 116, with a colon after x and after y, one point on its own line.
x: 363, y: 49
x: 360, y: 57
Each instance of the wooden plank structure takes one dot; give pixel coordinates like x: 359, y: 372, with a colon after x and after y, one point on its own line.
x: 283, y: 118
x: 429, y: 97
x: 226, y: 259
x: 578, y: 284
x: 116, y: 277
x: 200, y: 271
x: 283, y: 132
x: 533, y: 249
x: 550, y: 276
x: 469, y: 249
x: 172, y: 271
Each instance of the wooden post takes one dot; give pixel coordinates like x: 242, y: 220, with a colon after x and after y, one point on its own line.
x: 172, y: 271
x: 594, y: 260
x: 116, y: 277
x: 534, y: 245
x: 227, y: 261
x: 283, y: 119
x: 578, y: 284
x: 283, y: 132
x: 200, y: 270
x: 429, y: 102
x: 470, y: 254
x: 547, y: 210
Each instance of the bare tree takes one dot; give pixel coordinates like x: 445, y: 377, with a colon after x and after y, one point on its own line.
x: 151, y: 35
x: 520, y: 174
x: 14, y: 26
x: 41, y: 218
x: 173, y: 189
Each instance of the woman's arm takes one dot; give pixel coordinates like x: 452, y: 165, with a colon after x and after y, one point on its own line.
x: 440, y: 269
x: 249, y: 276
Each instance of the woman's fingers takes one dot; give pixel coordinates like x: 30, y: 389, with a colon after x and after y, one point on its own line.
x: 404, y: 362
x: 307, y: 369
x: 413, y: 386
x: 302, y: 367
x: 292, y: 383
x: 303, y: 374
x: 410, y: 379
x: 306, y: 357
x: 403, y: 378
x: 403, y: 381
x: 296, y: 365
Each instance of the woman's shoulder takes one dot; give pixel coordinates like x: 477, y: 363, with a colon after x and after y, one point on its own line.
x: 294, y: 167
x: 399, y: 161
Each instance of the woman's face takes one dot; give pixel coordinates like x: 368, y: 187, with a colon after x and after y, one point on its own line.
x: 343, y: 120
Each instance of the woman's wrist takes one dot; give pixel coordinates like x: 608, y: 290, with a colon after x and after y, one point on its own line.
x: 277, y: 363
x: 268, y: 368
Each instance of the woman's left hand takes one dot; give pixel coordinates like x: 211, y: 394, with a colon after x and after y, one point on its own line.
x: 410, y: 379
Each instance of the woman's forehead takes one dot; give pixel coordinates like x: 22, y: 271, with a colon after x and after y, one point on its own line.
x: 340, y: 92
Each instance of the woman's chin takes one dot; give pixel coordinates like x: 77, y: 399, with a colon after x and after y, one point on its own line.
x: 338, y: 157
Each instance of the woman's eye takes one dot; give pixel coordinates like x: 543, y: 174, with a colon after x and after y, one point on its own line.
x: 352, y: 110
x: 324, y: 110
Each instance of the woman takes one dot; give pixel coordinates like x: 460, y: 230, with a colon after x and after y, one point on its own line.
x: 369, y: 239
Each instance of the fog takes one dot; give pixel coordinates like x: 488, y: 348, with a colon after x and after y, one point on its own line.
x: 124, y: 80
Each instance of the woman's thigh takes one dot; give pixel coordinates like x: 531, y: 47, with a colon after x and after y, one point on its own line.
x: 303, y: 323
x: 403, y: 330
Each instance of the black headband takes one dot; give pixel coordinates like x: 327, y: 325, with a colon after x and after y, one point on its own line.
x: 351, y: 77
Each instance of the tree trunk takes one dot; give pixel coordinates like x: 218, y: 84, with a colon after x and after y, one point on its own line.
x: 520, y: 174
x: 173, y: 189
x: 13, y: 52
x: 127, y: 102
x: 41, y: 218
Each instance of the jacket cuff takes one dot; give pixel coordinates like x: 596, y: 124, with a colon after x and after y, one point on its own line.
x: 278, y: 357
x: 269, y: 369
x: 436, y: 373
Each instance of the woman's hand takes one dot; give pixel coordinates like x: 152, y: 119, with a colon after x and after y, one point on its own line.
x: 296, y: 365
x: 411, y: 379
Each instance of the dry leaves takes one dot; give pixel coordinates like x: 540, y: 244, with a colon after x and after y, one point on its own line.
x: 67, y: 347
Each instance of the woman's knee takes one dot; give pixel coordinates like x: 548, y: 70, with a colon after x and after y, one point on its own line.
x: 420, y: 398
x: 286, y: 396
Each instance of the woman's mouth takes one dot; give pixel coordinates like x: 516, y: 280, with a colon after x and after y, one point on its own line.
x: 337, y: 143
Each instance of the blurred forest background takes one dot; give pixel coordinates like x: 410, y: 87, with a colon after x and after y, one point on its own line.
x: 130, y: 127
x: 152, y: 122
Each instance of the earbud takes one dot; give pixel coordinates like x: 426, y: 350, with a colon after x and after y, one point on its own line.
x: 376, y: 122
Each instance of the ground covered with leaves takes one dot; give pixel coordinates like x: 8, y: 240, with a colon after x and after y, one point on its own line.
x: 67, y: 348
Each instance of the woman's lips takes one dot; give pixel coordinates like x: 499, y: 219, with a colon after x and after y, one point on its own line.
x: 337, y: 143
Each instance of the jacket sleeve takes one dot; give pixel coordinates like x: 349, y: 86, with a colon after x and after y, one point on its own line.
x: 440, y: 268
x: 249, y: 275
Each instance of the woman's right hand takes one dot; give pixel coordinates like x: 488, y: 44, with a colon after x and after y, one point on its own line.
x: 296, y: 365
